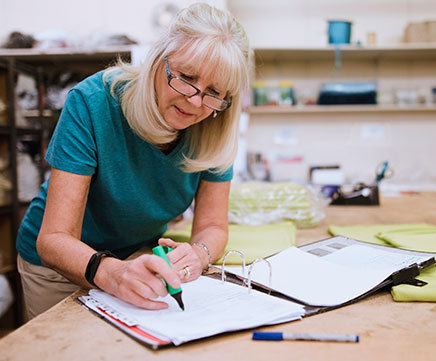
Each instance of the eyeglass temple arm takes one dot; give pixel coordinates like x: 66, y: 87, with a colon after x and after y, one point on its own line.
x: 167, y: 69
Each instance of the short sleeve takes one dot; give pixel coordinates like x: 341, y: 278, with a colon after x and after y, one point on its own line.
x: 212, y: 176
x: 72, y: 147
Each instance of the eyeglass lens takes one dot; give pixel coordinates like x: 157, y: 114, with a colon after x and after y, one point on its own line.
x: 189, y: 90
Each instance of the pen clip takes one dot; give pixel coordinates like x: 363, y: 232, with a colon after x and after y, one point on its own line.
x: 251, y: 269
x: 223, y: 273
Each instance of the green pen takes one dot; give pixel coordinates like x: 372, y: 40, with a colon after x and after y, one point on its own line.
x: 175, y: 293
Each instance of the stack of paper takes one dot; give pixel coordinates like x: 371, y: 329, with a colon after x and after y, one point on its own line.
x: 211, y: 307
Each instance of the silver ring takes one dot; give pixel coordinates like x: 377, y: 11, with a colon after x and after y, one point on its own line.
x: 187, y: 272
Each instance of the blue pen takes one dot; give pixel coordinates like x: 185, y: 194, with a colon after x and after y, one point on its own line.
x: 280, y: 336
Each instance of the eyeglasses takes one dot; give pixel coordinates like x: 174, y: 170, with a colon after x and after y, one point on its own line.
x: 183, y: 87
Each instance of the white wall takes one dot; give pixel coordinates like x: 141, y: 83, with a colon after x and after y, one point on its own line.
x: 84, y: 18
x: 281, y: 23
x: 271, y: 23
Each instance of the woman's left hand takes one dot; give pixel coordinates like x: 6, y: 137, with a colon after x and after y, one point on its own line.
x: 184, y: 259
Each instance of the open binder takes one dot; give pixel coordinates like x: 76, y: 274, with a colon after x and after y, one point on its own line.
x: 293, y: 284
x: 380, y: 267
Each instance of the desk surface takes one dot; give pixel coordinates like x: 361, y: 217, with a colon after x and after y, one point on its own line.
x: 388, y: 330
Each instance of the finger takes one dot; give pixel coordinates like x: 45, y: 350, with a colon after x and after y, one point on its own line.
x: 185, y: 273
x: 150, y: 287
x: 178, y: 254
x: 168, y: 242
x: 158, y: 286
x: 145, y: 303
x: 143, y: 290
x: 159, y: 266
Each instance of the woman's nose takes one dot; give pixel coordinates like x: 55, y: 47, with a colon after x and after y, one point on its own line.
x: 196, y: 100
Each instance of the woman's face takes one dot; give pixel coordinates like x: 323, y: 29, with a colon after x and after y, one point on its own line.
x: 178, y: 110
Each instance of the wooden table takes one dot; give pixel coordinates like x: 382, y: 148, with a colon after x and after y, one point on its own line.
x: 388, y: 330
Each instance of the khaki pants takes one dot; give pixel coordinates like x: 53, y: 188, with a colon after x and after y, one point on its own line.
x: 42, y: 287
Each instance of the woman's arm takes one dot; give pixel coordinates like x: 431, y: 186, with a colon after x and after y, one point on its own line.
x: 210, y: 227
x: 60, y: 248
x: 210, y: 224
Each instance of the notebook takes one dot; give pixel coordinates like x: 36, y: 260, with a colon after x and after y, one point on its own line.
x: 287, y: 286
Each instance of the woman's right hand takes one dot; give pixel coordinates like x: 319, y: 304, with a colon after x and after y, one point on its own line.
x: 137, y: 281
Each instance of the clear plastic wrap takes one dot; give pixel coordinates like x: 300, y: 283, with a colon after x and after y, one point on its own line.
x: 6, y: 295
x: 255, y: 203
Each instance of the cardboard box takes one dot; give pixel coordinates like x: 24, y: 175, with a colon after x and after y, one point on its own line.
x: 422, y: 32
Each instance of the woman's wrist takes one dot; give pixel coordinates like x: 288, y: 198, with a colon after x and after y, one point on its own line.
x: 104, y: 276
x: 204, y: 252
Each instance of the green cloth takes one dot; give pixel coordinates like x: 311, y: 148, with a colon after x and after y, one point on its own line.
x: 421, y: 238
x: 369, y: 233
x: 416, y: 237
x: 252, y: 241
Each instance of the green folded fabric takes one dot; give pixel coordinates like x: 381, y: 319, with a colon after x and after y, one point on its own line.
x: 422, y: 238
x: 252, y: 241
x: 369, y: 233
x: 416, y: 237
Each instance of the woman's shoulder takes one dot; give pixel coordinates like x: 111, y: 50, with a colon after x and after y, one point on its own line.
x: 91, y: 84
x: 95, y: 88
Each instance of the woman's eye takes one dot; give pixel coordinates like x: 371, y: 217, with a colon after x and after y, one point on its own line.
x: 187, y: 77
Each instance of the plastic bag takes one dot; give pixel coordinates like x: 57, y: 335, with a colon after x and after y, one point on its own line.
x: 255, y: 203
x: 6, y: 295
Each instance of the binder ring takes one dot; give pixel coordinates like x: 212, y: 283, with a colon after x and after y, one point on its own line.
x: 223, y: 273
x: 250, y: 269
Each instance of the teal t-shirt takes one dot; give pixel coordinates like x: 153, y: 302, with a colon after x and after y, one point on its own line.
x: 135, y: 189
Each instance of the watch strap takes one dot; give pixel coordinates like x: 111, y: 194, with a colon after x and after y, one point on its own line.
x: 93, y: 263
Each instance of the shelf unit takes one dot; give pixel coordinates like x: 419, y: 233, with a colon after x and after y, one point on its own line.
x: 356, y: 137
x: 41, y: 65
x: 86, y: 61
x: 298, y: 109
x: 10, y: 214
x: 413, y: 51
x: 275, y: 62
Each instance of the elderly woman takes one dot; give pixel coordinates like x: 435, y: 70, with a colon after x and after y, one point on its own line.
x: 133, y: 148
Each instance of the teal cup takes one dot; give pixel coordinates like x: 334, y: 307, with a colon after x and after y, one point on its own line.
x: 339, y: 31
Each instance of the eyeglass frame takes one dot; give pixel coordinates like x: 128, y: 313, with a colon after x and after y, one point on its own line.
x: 171, y: 76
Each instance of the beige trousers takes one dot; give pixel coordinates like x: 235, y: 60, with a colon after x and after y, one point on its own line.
x: 42, y: 287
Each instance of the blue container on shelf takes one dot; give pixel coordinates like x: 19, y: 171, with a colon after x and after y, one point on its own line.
x: 339, y: 31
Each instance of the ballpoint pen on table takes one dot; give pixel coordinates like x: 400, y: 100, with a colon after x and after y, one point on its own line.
x: 280, y: 336
x: 176, y: 293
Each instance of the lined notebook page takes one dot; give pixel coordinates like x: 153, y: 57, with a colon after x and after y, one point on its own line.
x: 211, y: 307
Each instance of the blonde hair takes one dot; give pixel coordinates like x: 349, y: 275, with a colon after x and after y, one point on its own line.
x: 206, y: 34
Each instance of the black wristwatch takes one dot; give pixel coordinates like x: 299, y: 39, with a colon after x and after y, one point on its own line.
x: 94, y: 262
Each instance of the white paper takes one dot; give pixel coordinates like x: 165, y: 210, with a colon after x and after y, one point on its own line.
x: 357, y: 256
x: 317, y: 281
x: 211, y: 307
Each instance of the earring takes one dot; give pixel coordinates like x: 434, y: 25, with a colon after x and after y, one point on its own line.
x: 214, y: 113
